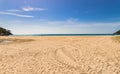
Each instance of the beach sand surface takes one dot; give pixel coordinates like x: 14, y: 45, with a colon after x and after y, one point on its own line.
x: 60, y: 55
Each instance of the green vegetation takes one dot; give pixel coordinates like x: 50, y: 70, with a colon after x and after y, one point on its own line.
x: 117, y: 33
x: 5, y: 32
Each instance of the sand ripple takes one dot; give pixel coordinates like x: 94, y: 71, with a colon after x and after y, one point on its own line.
x: 61, y: 55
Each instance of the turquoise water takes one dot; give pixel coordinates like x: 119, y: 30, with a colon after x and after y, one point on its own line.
x: 65, y: 35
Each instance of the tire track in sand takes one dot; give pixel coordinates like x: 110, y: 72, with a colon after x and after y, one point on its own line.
x: 65, y: 57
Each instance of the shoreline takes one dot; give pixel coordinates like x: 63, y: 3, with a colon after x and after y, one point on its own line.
x: 64, y: 35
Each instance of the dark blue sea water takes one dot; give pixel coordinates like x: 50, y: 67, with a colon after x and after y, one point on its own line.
x: 64, y: 35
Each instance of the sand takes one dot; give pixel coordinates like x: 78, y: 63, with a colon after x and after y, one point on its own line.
x: 60, y: 55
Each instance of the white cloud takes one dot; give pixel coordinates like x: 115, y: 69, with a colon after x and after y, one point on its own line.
x: 29, y: 8
x: 14, y: 10
x: 15, y: 14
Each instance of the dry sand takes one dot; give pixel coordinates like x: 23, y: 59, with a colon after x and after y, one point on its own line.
x: 60, y: 55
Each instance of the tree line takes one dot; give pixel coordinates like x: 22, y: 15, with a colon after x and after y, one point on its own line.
x: 5, y: 32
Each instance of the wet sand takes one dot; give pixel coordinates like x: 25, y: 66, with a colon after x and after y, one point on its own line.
x: 60, y: 55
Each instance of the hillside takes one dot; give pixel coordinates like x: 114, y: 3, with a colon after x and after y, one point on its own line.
x: 117, y: 33
x: 5, y: 32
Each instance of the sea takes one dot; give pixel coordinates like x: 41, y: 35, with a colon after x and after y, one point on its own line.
x: 64, y: 35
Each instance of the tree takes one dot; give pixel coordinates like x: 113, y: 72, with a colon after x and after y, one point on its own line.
x: 117, y: 33
x: 5, y: 32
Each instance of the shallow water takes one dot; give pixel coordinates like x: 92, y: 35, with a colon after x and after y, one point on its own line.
x: 5, y: 41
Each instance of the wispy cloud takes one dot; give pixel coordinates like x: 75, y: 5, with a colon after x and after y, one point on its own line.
x: 29, y: 8
x: 15, y: 14
x: 14, y: 10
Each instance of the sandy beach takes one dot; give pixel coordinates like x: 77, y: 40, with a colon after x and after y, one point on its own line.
x: 60, y: 55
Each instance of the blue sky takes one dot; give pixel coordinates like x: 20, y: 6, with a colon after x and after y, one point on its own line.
x: 60, y: 16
